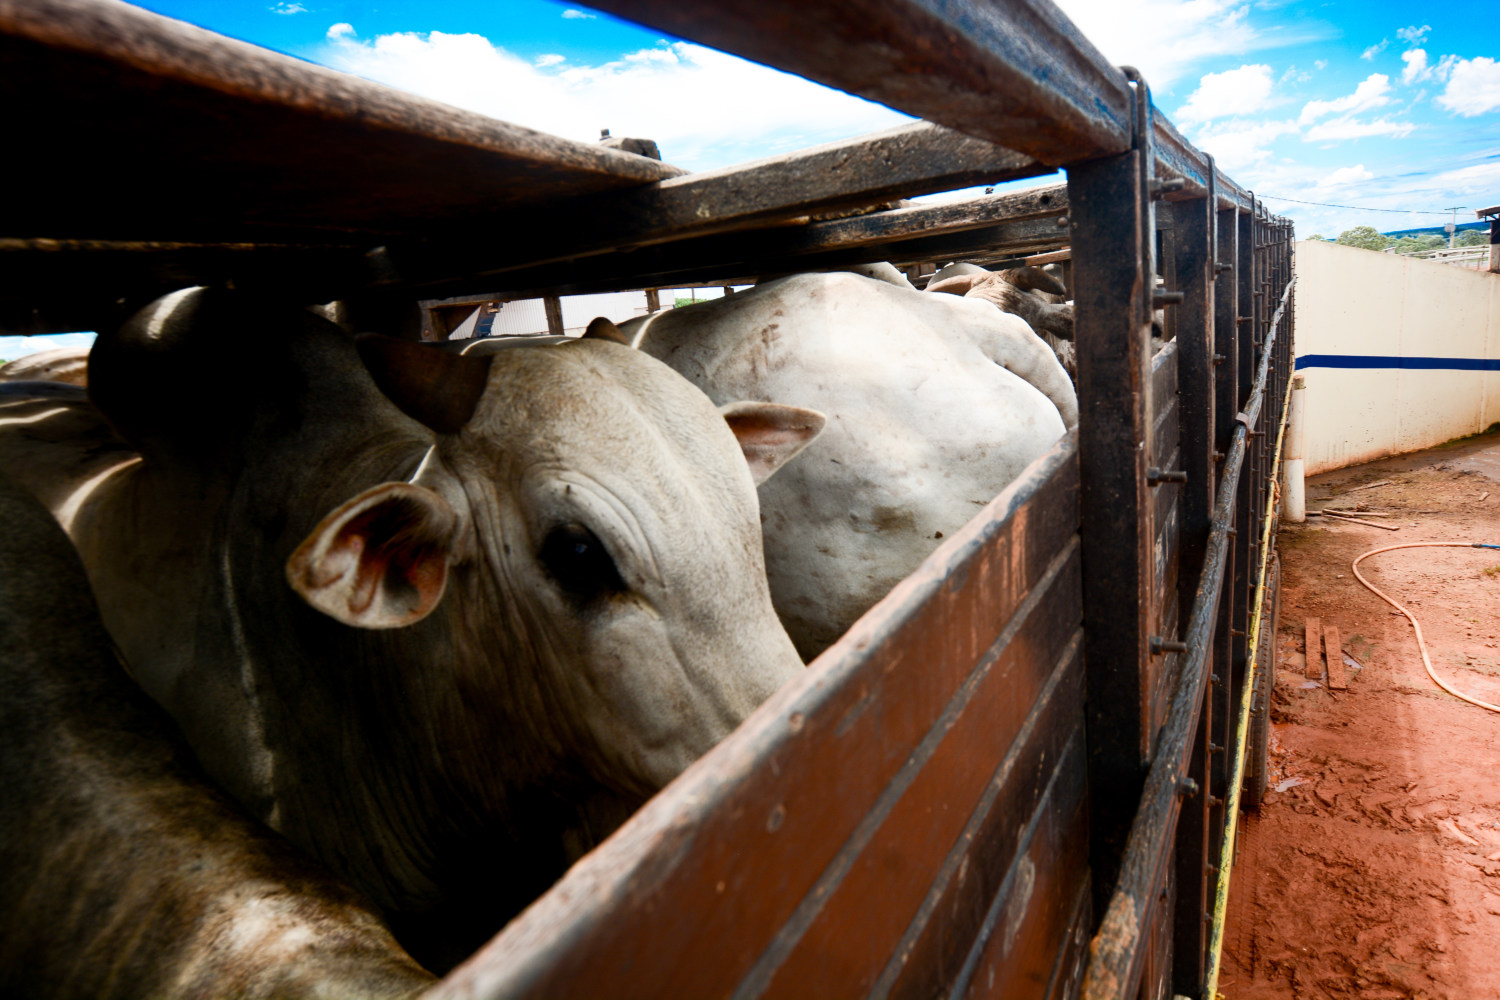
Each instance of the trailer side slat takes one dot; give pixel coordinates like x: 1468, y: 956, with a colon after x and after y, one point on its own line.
x: 1029, y: 918
x: 932, y: 951
x: 849, y: 925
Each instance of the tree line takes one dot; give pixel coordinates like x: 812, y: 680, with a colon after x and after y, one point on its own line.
x: 1366, y: 238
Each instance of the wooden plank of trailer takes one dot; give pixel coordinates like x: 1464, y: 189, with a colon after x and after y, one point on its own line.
x: 1018, y: 74
x: 1020, y: 69
x: 208, y: 138
x: 1313, y: 665
x: 966, y: 231
x: 1334, y: 643
x: 1052, y: 257
x: 864, y: 828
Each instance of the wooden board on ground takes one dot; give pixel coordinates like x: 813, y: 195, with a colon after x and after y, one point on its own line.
x: 1335, y: 646
x: 1314, y: 668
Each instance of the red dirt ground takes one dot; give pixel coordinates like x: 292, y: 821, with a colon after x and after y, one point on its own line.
x: 1373, y: 868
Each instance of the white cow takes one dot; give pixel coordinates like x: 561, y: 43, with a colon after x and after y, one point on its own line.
x: 444, y: 621
x: 1028, y: 292
x: 935, y: 403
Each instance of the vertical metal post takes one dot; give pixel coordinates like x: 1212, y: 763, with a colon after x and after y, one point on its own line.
x: 1194, y: 244
x: 552, y: 305
x: 1244, y: 501
x: 1226, y: 405
x: 1112, y: 235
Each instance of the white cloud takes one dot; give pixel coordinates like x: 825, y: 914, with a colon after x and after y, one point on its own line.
x: 1134, y: 33
x: 1473, y: 87
x: 1413, y: 35
x: 1239, y: 145
x: 1375, y: 50
x: 1293, y: 75
x: 1349, y: 127
x: 283, y: 7
x: 549, y: 59
x: 341, y: 30
x: 1240, y: 91
x: 705, y: 109
x: 1320, y: 64
x: 1416, y: 66
x: 573, y: 14
x: 1346, y: 175
x: 1369, y: 94
x: 1482, y: 177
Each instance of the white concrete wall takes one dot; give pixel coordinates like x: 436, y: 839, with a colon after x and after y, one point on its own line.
x: 1360, y: 307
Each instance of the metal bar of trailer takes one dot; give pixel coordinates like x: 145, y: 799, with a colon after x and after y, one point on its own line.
x: 1017, y: 223
x: 1019, y: 74
x: 1195, y: 243
x: 1018, y: 69
x: 85, y: 278
x: 1110, y: 212
x: 912, y: 159
x: 1115, y: 955
x: 1237, y: 770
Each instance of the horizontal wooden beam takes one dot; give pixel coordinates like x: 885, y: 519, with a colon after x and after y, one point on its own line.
x: 1006, y: 225
x: 50, y: 285
x: 141, y: 127
x: 1019, y: 74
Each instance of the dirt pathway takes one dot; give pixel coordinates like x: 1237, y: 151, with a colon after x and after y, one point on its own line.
x: 1373, y: 869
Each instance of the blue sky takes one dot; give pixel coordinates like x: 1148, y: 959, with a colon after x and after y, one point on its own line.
x: 1369, y: 103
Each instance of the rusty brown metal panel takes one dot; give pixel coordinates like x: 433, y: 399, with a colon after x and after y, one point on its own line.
x: 846, y: 930
x: 1067, y: 976
x: 1029, y: 920
x: 931, y: 954
x: 720, y: 860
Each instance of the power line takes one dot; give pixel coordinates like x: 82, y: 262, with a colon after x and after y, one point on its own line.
x: 1356, y: 208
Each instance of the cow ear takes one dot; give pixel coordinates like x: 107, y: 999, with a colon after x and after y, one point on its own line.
x: 380, y: 560
x: 771, y: 434
x: 603, y: 329
x: 958, y: 284
x: 435, y: 387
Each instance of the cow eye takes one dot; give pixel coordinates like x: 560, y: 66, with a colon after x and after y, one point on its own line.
x: 579, y: 562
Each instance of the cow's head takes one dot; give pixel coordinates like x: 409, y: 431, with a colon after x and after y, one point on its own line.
x: 595, y: 503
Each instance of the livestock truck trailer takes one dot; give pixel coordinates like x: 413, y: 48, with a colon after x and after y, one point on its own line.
x: 1018, y: 775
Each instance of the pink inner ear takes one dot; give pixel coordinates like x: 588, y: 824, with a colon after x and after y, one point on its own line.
x: 769, y: 435
x: 381, y: 552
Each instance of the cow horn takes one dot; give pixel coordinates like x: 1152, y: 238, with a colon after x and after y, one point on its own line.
x: 601, y: 328
x: 956, y: 284
x: 1034, y: 279
x: 437, y: 388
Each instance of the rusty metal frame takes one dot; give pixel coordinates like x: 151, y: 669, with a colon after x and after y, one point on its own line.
x: 1014, y: 91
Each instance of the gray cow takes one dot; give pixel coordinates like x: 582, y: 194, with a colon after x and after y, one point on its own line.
x: 124, y: 873
x: 443, y: 621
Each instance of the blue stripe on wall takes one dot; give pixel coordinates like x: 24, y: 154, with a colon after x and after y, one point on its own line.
x: 1386, y: 361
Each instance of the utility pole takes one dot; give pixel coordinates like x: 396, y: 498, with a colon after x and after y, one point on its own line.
x: 1452, y: 227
